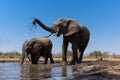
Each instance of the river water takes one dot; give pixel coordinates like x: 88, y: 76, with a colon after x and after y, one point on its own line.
x: 15, y: 71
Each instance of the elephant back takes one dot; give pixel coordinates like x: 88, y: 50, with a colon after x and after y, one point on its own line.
x: 45, y: 41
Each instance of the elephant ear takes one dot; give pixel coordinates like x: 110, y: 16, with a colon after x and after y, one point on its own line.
x: 37, y: 46
x: 72, y: 28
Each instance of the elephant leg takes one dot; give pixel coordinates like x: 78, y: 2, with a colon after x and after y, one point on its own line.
x: 51, y: 58
x: 81, y: 51
x: 46, y: 59
x: 75, y: 55
x: 37, y: 59
x: 64, y: 52
x: 29, y: 58
x: 34, y: 58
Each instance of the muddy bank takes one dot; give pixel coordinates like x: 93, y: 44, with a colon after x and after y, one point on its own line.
x: 99, y: 70
x: 9, y: 59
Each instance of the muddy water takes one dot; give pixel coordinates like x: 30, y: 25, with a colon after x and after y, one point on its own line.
x: 14, y: 71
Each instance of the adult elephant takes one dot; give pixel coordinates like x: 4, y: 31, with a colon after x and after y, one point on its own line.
x: 77, y: 35
x: 37, y: 47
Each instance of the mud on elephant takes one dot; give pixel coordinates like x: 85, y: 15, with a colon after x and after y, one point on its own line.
x: 74, y: 33
x: 37, y: 47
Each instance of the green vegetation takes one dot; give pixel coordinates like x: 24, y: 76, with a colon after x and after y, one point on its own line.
x: 94, y: 54
x: 59, y: 55
x: 12, y: 54
x: 98, y: 54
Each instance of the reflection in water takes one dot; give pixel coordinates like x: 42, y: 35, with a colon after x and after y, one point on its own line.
x: 39, y: 71
x: 14, y: 71
x: 42, y: 71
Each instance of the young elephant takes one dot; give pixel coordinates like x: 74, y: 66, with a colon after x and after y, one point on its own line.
x: 37, y: 47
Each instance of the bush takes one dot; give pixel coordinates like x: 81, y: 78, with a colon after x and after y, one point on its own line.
x: 12, y: 54
x: 98, y: 54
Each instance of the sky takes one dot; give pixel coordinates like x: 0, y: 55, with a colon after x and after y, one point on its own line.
x: 101, y: 17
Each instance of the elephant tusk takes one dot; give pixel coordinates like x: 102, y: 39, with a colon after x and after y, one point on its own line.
x: 50, y: 35
x: 55, y: 34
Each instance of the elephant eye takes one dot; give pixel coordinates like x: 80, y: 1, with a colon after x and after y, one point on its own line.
x: 59, y: 25
x: 61, y: 20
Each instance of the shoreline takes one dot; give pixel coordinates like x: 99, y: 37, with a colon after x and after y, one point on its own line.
x: 9, y: 59
x: 93, y: 70
x: 55, y: 59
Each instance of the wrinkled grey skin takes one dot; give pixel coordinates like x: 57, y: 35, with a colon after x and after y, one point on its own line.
x: 37, y: 47
x: 77, y: 35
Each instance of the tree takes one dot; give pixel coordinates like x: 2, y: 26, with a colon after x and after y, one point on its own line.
x: 105, y: 54
x: 12, y: 54
x: 95, y: 54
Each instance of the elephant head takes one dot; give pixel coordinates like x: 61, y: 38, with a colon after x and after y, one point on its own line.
x: 66, y: 27
x: 30, y: 47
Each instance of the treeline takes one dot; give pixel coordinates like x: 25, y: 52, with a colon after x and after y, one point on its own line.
x: 94, y: 54
x: 12, y: 54
x: 99, y: 54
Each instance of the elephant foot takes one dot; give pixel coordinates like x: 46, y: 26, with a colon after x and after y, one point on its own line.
x: 45, y: 62
x: 64, y: 63
x: 72, y: 63
x: 52, y: 62
x: 34, y: 62
x: 79, y: 61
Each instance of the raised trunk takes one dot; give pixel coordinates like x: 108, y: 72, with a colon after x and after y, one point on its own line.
x: 50, y: 29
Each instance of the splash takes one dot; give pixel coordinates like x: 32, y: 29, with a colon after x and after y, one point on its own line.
x: 32, y: 30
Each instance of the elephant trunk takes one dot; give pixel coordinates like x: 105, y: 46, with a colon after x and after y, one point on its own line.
x: 22, y: 59
x: 42, y: 25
